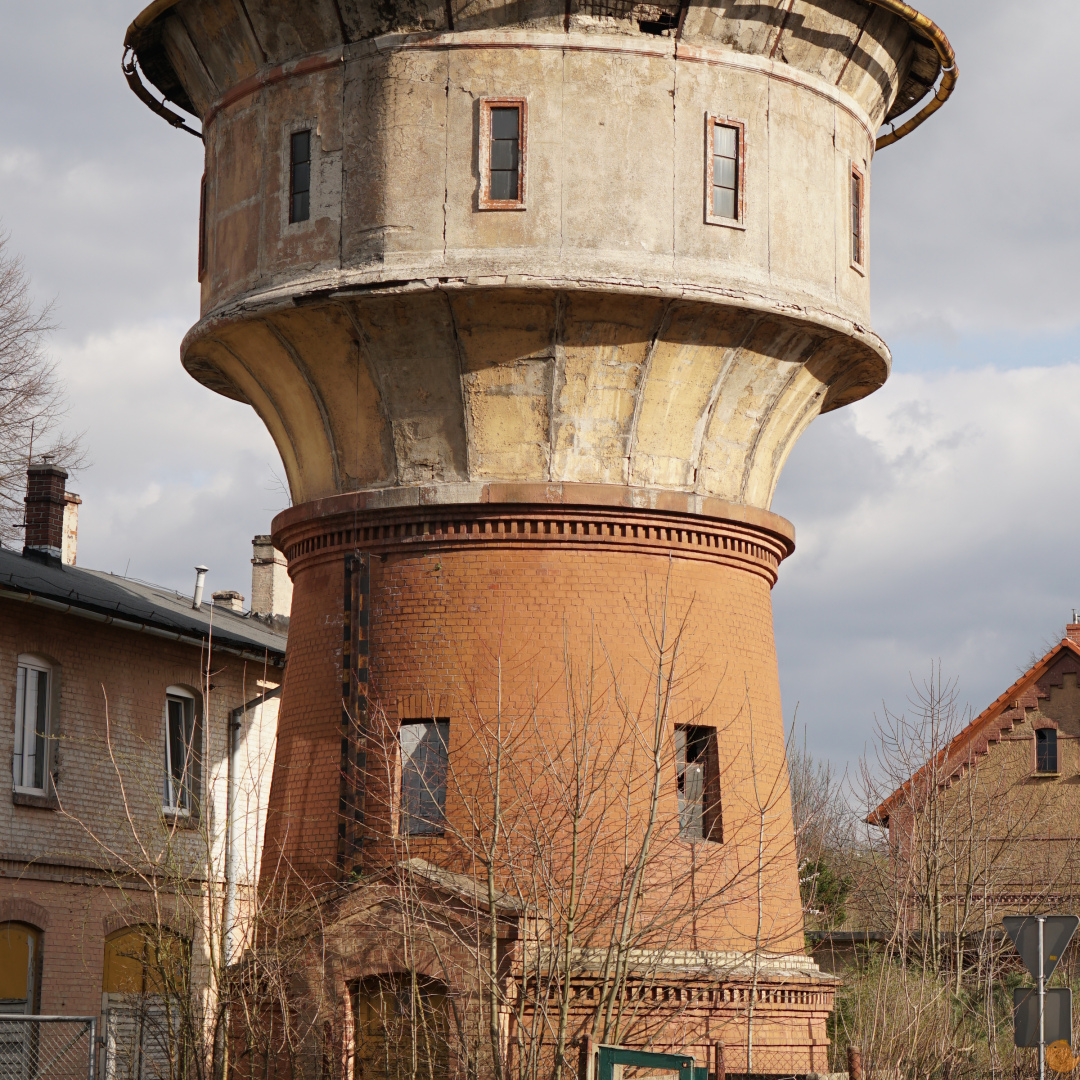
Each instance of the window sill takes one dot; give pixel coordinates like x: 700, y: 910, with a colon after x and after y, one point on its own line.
x: 859, y: 268
x: 1045, y: 775
x: 727, y: 223
x: 179, y: 818
x: 39, y: 801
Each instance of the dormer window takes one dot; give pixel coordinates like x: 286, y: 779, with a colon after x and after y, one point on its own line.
x: 1046, y: 750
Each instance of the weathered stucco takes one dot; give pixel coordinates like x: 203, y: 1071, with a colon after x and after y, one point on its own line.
x: 607, y: 333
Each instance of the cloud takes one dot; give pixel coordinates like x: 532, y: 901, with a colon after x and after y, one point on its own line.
x: 944, y: 533
x: 179, y: 475
x: 974, y: 221
x: 934, y: 519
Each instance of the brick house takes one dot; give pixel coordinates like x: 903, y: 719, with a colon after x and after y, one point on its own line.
x: 1006, y: 797
x: 117, y: 701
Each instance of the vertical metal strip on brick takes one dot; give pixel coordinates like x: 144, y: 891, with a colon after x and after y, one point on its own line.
x: 361, y: 648
x: 354, y: 714
x: 344, y: 854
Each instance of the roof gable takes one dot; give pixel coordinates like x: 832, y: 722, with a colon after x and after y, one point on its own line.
x: 997, y: 719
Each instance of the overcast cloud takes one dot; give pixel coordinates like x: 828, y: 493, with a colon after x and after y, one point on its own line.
x: 934, y: 520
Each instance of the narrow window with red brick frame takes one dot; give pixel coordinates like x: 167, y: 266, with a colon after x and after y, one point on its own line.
x: 502, y: 153
x: 857, y: 240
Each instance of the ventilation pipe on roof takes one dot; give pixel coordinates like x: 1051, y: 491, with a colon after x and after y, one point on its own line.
x: 200, y: 581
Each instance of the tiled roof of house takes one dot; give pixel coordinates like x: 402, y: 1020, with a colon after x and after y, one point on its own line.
x: 996, y: 719
x: 135, y: 605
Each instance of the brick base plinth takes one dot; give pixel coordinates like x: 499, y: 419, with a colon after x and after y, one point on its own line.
x: 564, y: 644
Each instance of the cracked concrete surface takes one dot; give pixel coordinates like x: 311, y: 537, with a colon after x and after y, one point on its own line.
x: 608, y: 333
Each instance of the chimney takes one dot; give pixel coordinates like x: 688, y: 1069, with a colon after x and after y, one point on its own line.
x: 200, y: 582
x: 45, y: 507
x: 1072, y: 631
x: 229, y: 599
x: 72, y: 502
x: 271, y: 586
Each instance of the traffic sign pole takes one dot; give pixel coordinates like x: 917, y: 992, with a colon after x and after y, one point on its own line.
x: 1042, y: 1001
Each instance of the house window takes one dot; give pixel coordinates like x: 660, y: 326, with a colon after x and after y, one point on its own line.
x: 725, y: 167
x: 1046, y: 755
x: 698, y: 777
x: 300, y: 177
x: 424, y: 752
x: 20, y: 964
x: 180, y: 751
x: 503, y: 123
x: 33, y: 691
x: 856, y: 217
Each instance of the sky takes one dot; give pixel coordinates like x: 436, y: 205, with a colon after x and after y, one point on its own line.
x: 934, y: 520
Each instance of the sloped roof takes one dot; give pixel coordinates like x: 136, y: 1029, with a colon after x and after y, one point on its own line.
x: 135, y: 605
x: 995, y: 720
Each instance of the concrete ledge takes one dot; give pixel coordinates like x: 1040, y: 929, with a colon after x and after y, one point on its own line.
x: 569, y: 495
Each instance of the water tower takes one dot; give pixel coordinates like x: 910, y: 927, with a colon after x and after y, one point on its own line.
x: 535, y: 298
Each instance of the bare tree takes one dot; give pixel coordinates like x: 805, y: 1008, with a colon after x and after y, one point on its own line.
x: 566, y: 881
x: 827, y: 841
x: 947, y: 851
x: 31, y: 399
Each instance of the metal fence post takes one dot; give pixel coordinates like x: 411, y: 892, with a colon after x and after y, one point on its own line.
x: 91, y: 1070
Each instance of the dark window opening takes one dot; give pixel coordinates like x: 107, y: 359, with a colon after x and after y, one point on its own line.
x: 697, y: 771
x: 725, y: 178
x: 202, y: 228
x: 665, y: 21
x: 505, y: 154
x: 856, y: 218
x: 424, y: 753
x: 1046, y: 757
x: 300, y: 177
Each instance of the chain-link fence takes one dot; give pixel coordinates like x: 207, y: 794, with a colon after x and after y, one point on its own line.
x: 47, y: 1047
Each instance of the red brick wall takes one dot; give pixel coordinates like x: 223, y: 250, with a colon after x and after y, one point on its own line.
x: 444, y: 611
x: 45, y: 507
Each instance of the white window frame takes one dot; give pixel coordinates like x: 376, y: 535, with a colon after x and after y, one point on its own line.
x: 172, y: 802
x: 485, y: 201
x: 713, y: 121
x: 26, y: 664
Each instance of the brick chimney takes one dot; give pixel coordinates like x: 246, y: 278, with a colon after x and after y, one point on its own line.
x: 271, y: 586
x: 228, y: 598
x: 45, y: 506
x: 1072, y: 632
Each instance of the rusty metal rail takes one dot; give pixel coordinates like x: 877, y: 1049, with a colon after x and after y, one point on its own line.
x: 949, y: 71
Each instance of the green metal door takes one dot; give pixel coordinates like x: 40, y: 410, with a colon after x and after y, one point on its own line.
x: 610, y: 1056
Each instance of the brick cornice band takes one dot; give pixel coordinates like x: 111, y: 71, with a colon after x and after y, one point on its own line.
x: 582, y: 517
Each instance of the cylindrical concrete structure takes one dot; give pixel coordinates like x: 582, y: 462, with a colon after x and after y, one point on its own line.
x: 533, y: 411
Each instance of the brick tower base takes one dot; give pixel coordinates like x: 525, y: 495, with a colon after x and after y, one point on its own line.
x: 529, y: 617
